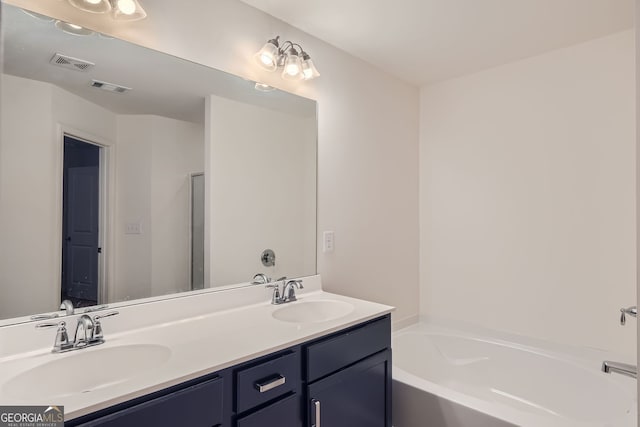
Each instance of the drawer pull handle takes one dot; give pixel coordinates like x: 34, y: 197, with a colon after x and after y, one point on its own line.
x: 270, y: 384
x: 316, y: 404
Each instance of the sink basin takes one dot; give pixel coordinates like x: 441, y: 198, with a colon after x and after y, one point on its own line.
x: 313, y: 311
x: 83, y: 371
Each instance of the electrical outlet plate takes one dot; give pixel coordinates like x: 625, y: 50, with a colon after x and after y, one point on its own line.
x: 133, y: 228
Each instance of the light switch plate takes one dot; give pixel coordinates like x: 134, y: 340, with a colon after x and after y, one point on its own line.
x: 328, y: 241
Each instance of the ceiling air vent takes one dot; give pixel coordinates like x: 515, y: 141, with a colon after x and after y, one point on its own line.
x: 71, y: 63
x: 109, y: 87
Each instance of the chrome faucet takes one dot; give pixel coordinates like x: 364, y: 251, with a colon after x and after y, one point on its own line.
x: 261, y: 279
x: 67, y: 306
x: 88, y: 333
x: 288, y: 290
x: 84, y: 331
x: 620, y: 368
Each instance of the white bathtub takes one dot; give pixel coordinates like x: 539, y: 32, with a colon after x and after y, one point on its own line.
x: 451, y: 378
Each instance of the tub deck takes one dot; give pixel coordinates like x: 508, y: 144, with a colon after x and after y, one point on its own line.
x: 447, y: 377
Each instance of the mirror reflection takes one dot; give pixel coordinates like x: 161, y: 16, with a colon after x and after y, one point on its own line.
x: 126, y: 173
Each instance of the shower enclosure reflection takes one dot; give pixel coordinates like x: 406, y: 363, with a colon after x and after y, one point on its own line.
x: 197, y: 231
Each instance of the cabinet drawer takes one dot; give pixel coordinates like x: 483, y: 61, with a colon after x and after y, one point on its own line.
x: 285, y: 413
x: 197, y: 406
x: 268, y: 380
x: 333, y: 354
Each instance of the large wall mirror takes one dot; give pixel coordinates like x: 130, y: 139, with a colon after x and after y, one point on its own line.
x: 126, y: 173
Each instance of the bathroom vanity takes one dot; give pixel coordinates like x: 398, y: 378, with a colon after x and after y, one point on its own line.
x: 342, y: 379
x: 193, y: 343
x: 228, y: 358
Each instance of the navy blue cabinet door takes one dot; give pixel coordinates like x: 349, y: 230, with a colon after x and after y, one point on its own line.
x: 358, y: 396
x: 197, y: 406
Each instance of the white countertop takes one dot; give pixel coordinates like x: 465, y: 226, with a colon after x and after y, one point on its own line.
x: 201, y: 342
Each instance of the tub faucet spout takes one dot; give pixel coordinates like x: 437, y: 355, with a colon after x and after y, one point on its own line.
x: 620, y: 368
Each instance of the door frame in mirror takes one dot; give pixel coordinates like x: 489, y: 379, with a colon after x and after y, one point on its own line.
x: 106, y: 235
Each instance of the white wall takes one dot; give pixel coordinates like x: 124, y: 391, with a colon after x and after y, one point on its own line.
x: 147, y: 150
x: 155, y: 156
x: 527, y: 196
x: 132, y: 275
x: 178, y: 151
x: 637, y: 180
x: 33, y: 115
x: 368, y: 135
x: 75, y: 113
x: 27, y: 229
x: 262, y: 192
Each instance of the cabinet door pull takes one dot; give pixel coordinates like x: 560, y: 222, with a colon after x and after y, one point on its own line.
x: 316, y: 404
x: 266, y: 385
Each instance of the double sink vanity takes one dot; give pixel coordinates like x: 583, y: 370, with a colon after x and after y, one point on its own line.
x: 227, y: 358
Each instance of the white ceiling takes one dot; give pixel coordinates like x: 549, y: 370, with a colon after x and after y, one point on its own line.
x: 423, y: 41
x: 162, y: 84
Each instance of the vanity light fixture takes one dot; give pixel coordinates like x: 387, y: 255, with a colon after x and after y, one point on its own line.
x: 309, y: 70
x: 121, y: 10
x: 296, y: 64
x: 127, y: 10
x: 93, y: 6
x: 263, y: 87
x: 73, y: 29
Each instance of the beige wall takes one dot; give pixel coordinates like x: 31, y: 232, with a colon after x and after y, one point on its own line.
x: 527, y: 196
x: 368, y: 136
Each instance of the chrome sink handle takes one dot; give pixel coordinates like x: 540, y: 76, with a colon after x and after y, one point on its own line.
x: 96, y: 308
x: 97, y: 326
x: 62, y: 337
x: 631, y: 311
x: 277, y: 298
x: 102, y: 316
x: 44, y: 316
